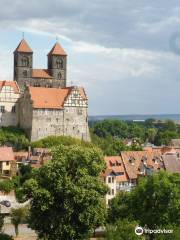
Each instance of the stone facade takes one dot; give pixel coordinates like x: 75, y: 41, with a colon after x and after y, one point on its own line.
x: 68, y: 119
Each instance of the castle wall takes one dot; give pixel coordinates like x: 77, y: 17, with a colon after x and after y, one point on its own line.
x: 25, y: 113
x: 47, y: 122
x: 57, y: 122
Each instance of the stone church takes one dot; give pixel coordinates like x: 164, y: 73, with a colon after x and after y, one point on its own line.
x: 39, y: 101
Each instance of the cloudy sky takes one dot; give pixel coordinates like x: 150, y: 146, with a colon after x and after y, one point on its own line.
x: 125, y: 53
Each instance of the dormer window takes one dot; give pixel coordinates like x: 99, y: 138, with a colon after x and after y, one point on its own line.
x: 155, y: 160
x: 132, y: 160
x: 144, y: 159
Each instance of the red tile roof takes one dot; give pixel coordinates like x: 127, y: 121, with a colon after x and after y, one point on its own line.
x: 49, y: 97
x: 6, y: 154
x: 41, y: 73
x: 23, y: 47
x: 12, y: 84
x: 115, y: 163
x: 57, y: 50
x: 133, y: 161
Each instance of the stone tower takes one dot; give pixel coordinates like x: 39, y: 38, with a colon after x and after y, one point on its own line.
x: 57, y: 62
x: 23, y: 61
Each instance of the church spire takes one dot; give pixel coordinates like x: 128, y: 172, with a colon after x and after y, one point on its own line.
x: 57, y: 50
x: 23, y: 47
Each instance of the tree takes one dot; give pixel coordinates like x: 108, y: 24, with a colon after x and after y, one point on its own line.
x: 18, y: 216
x: 6, y: 186
x: 154, y: 203
x: 67, y: 194
x: 122, y: 230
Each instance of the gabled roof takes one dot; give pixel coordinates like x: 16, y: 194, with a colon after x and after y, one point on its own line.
x: 12, y: 84
x: 41, y: 73
x: 171, y: 163
x: 57, y: 50
x: 23, y: 47
x: 49, y: 97
x: 6, y: 154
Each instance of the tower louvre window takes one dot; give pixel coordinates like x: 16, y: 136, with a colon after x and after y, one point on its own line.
x: 59, y: 63
x: 25, y: 62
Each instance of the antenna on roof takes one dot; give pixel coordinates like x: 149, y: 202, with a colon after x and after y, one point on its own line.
x: 22, y: 35
x: 57, y: 39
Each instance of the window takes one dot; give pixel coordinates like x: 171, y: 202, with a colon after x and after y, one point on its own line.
x: 59, y: 63
x: 112, y: 179
x: 25, y: 62
x: 109, y: 179
x: 7, y: 163
x: 13, y: 110
x: 112, y: 191
x: 79, y: 111
x: 2, y: 109
x: 59, y: 75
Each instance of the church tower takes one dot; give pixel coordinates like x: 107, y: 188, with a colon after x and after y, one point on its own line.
x: 57, y: 61
x: 23, y: 61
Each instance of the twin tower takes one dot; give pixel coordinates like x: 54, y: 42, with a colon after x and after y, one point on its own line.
x: 25, y: 75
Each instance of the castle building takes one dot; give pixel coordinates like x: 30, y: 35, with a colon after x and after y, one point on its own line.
x: 41, y: 103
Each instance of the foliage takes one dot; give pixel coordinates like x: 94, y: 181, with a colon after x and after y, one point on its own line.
x: 18, y: 216
x: 158, y: 133
x: 5, y: 237
x: 53, y: 141
x: 25, y: 173
x: 154, y: 202
x: 6, y: 186
x: 122, y: 230
x: 14, y: 137
x: 67, y: 195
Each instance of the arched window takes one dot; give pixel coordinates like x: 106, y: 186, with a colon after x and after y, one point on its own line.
x: 59, y: 75
x: 25, y: 61
x: 59, y: 63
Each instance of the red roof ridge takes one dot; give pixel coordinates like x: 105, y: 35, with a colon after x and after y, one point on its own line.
x: 57, y: 50
x: 23, y: 47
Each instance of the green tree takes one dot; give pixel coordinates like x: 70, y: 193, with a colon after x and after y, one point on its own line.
x: 122, y: 230
x: 154, y: 203
x: 6, y: 186
x: 151, y: 134
x: 14, y: 137
x: 67, y: 194
x: 18, y: 216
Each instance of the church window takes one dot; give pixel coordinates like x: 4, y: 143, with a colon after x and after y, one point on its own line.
x: 25, y: 62
x: 59, y: 75
x: 59, y: 63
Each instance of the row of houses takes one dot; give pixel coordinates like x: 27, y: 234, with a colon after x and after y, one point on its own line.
x: 10, y: 161
x: 123, y: 172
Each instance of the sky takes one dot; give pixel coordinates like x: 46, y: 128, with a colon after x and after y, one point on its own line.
x: 125, y: 53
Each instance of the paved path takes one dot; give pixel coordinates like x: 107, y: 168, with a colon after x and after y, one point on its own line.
x: 25, y: 233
